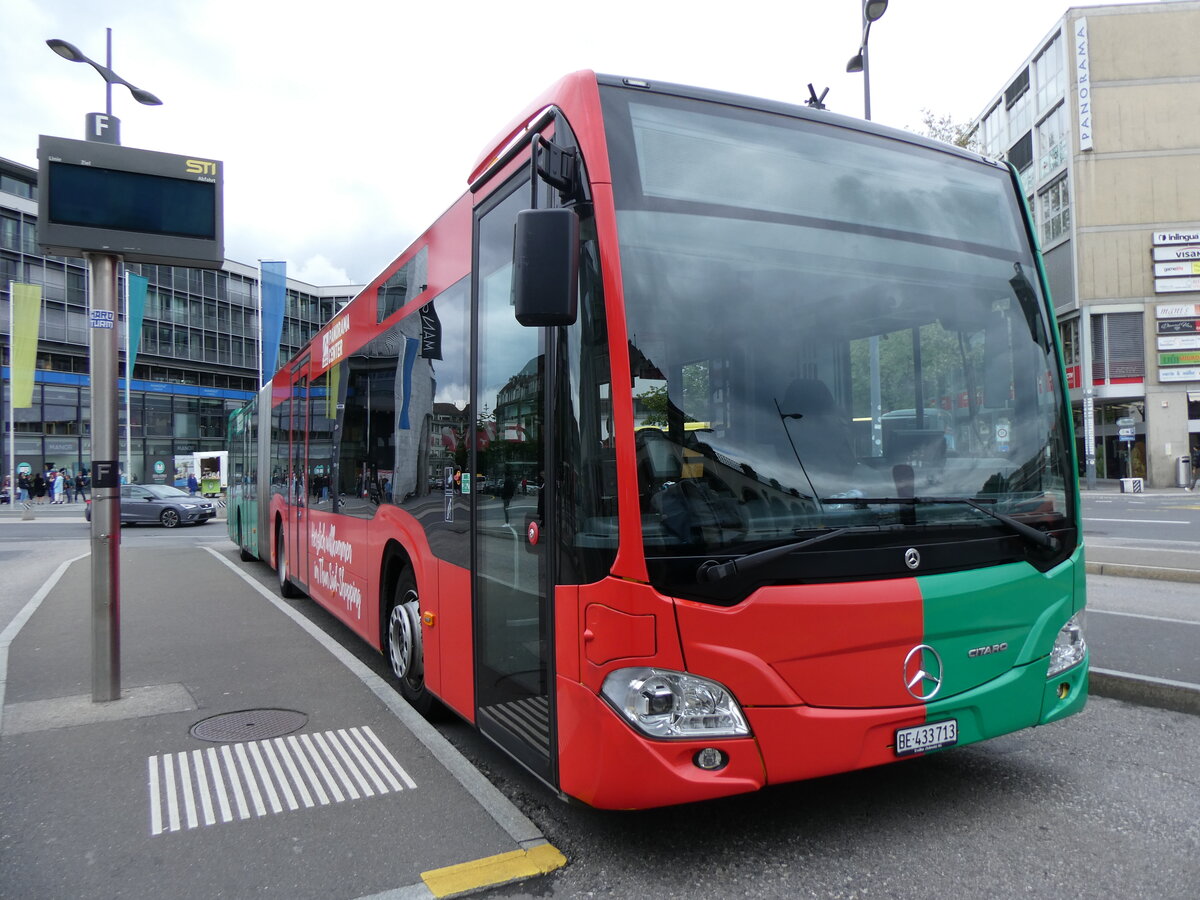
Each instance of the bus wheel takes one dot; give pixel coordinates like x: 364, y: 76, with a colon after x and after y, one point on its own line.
x: 404, y: 648
x: 245, y: 554
x: 286, y: 588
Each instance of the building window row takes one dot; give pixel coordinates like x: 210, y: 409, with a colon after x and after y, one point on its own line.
x: 1054, y: 212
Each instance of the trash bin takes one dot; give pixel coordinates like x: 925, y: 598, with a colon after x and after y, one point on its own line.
x: 1183, y: 472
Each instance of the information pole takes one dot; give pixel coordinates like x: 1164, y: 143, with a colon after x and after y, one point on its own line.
x: 106, y: 484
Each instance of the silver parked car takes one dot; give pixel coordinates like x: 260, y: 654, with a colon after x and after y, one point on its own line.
x: 161, y: 504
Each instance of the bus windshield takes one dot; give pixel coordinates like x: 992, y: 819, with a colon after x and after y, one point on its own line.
x: 822, y: 320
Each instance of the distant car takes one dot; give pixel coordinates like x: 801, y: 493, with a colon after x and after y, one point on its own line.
x: 161, y: 504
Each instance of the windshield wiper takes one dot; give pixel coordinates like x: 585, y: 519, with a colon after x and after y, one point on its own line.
x: 1049, y: 541
x: 710, y: 570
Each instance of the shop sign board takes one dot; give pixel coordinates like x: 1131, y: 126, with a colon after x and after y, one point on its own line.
x: 1180, y: 358
x: 1177, y: 310
x: 1190, y: 373
x: 1179, y: 342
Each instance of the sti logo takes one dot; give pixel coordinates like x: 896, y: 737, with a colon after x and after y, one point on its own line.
x: 201, y: 167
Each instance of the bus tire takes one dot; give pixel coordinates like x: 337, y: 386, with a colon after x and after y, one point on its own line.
x: 286, y: 588
x: 245, y: 554
x: 403, y: 644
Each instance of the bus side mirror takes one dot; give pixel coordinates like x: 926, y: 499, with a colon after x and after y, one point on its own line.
x: 546, y: 267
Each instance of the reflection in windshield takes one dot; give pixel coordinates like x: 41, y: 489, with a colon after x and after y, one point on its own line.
x: 861, y: 322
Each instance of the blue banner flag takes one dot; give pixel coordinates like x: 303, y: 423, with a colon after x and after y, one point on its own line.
x: 273, y: 293
x: 135, y: 308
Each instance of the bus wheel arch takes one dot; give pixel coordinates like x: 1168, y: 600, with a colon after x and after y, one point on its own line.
x: 400, y: 625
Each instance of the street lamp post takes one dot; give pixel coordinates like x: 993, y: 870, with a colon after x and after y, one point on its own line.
x: 873, y: 10
x: 104, y: 128
x: 106, y: 490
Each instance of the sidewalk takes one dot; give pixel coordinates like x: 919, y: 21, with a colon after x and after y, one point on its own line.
x: 249, y: 753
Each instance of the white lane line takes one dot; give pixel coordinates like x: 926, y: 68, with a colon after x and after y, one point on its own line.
x: 315, y: 755
x: 202, y: 787
x: 185, y: 785
x: 234, y: 782
x: 362, y: 762
x: 239, y: 750
x: 302, y: 757
x: 190, y: 789
x: 391, y: 760
x: 172, y: 800
x: 378, y: 763
x: 1109, y: 612
x: 286, y: 755
x: 214, y: 766
x: 331, y: 758
x: 1087, y: 519
x: 277, y: 770
x: 265, y: 777
x: 155, y: 798
x: 339, y: 748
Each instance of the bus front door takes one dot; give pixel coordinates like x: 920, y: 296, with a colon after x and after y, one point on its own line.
x: 512, y: 629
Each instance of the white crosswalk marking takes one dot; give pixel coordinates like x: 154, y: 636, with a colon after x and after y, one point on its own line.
x: 192, y: 789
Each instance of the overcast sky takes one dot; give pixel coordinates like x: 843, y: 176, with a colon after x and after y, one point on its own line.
x: 347, y: 127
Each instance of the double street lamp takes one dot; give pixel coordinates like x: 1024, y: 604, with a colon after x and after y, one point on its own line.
x: 873, y: 10
x: 106, y: 128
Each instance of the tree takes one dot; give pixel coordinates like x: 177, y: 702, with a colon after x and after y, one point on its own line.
x: 944, y: 128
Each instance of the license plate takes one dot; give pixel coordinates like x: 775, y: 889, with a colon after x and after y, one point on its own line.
x: 922, y: 738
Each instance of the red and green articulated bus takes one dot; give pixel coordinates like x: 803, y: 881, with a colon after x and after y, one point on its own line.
x: 705, y: 443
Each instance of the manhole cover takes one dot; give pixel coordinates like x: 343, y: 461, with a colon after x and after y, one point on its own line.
x: 249, y: 725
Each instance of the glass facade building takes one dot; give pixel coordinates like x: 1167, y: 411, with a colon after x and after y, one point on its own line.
x: 197, y: 359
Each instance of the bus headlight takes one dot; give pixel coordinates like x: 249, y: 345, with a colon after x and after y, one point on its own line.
x: 1069, y: 646
x: 667, y: 704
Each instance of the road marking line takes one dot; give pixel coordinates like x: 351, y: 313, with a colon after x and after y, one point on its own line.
x: 379, y: 763
x: 362, y: 761
x: 277, y: 768
x: 1109, y: 612
x: 332, y: 759
x: 202, y: 777
x: 1087, y: 519
x: 185, y: 783
x: 239, y: 750
x: 172, y: 800
x: 155, y: 798
x: 298, y: 750
x: 265, y: 777
x: 391, y: 760
x: 214, y: 766
x: 239, y: 795
x: 1187, y: 685
x: 181, y: 787
x: 315, y: 753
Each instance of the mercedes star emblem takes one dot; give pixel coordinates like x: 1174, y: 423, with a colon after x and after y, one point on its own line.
x: 923, y: 672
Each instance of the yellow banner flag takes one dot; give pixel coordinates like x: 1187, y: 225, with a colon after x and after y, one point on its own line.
x: 26, y: 316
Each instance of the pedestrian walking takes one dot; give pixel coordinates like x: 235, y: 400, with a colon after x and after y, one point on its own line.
x: 81, y: 486
x: 193, y: 484
x: 1195, y: 467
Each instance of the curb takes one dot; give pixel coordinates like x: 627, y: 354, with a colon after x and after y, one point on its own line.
x: 1161, y: 693
x: 1154, y: 573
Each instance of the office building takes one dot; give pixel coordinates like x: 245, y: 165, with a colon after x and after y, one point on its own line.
x: 1102, y: 122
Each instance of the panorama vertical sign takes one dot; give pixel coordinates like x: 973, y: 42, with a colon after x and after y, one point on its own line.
x: 1083, y: 80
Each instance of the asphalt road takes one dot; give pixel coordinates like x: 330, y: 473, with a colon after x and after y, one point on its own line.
x: 1105, y: 804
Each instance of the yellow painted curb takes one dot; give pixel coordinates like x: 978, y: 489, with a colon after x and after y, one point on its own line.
x: 493, y: 870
